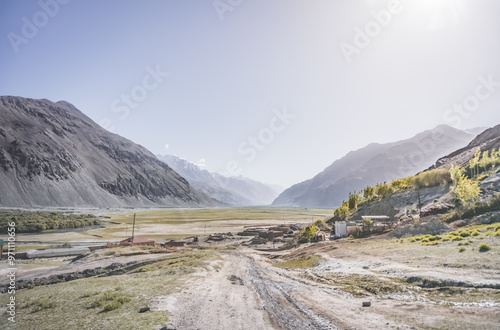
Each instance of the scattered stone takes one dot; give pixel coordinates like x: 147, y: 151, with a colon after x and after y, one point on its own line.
x: 366, y: 267
x: 169, y: 327
x: 367, y: 303
x: 145, y: 309
x: 235, y: 280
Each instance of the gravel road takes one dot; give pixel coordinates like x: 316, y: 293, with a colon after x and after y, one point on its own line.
x: 242, y: 294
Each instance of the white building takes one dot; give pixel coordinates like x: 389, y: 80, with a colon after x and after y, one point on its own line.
x: 340, y: 229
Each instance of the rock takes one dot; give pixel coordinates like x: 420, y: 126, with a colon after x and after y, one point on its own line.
x: 487, y: 218
x: 458, y: 223
x: 367, y: 303
x: 366, y: 267
x: 145, y: 309
x: 114, y: 265
x: 434, y: 209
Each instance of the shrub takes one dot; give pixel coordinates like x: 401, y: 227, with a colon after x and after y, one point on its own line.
x: 462, y: 249
x: 446, y: 238
x: 464, y: 233
x: 483, y: 247
x: 456, y: 238
x: 431, y: 178
x: 112, y: 306
x: 109, y: 300
x: 308, y: 234
x: 351, y: 236
x: 425, y: 240
x: 413, y: 240
x: 472, y: 210
x: 319, y: 223
x: 475, y: 233
x: 42, y: 304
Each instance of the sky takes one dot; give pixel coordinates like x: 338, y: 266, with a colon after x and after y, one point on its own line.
x: 274, y: 90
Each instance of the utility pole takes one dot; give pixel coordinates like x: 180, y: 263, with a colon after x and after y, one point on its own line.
x: 419, y: 204
x: 133, y: 229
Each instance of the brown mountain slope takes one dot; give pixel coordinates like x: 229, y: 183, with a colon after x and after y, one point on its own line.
x: 488, y: 140
x: 51, y: 154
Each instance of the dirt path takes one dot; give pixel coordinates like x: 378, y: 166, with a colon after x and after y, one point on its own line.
x: 243, y: 294
x: 218, y: 299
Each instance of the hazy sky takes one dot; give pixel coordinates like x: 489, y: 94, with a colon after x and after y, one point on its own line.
x: 275, y: 90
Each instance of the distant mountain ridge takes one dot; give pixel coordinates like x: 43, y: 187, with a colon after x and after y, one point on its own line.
x: 51, y: 154
x: 234, y: 191
x: 374, y: 164
x: 486, y: 141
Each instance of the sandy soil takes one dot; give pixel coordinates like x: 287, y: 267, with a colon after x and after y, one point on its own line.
x: 247, y: 292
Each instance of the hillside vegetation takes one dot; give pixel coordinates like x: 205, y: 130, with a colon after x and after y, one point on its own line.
x: 468, y: 200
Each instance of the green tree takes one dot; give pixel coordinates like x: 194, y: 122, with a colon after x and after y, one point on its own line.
x: 354, y: 200
x: 474, y: 162
x: 464, y: 189
x: 485, y: 161
x: 342, y: 212
x: 368, y: 193
x: 383, y: 190
x: 467, y: 191
x: 456, y: 173
x: 307, y: 234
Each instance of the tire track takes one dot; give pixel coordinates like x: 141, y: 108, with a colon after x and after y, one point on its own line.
x: 283, y: 309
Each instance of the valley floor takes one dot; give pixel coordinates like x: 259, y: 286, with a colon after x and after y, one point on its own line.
x: 409, y: 286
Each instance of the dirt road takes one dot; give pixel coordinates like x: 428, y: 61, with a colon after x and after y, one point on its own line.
x: 246, y: 294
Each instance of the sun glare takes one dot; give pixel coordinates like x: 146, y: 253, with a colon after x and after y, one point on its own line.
x: 438, y: 14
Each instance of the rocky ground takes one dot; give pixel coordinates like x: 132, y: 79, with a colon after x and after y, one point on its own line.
x: 408, y: 286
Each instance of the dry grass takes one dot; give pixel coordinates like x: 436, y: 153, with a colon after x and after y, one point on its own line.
x: 302, y: 263
x: 107, y: 302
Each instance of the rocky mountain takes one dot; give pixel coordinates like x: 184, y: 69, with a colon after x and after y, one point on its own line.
x: 51, y: 154
x: 487, y: 140
x: 374, y: 164
x: 235, y: 191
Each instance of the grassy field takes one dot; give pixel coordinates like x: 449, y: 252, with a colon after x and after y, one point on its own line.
x: 108, y: 302
x: 179, y: 223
